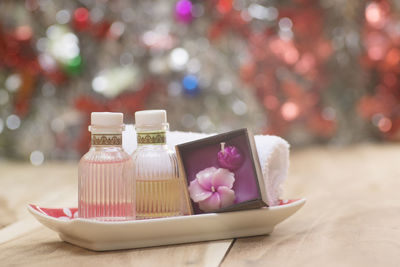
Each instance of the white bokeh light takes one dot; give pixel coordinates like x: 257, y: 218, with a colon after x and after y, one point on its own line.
x: 285, y: 24
x: 13, y: 122
x: 178, y: 58
x: 258, y: 11
x: 13, y: 82
x: 63, y: 16
x: 54, y: 32
x: 263, y: 13
x: 99, y: 84
x: 117, y: 28
x: 67, y: 47
x: 47, y: 62
x: 239, y: 107
x: 37, y: 158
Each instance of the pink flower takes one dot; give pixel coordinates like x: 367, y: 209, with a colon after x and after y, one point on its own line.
x: 212, y: 189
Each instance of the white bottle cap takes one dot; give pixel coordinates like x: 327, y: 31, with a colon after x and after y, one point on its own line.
x: 107, y: 119
x: 151, y: 118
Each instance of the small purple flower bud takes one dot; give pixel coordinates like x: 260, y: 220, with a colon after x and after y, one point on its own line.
x: 230, y: 157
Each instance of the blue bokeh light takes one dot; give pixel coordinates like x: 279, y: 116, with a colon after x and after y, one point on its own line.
x: 190, y: 84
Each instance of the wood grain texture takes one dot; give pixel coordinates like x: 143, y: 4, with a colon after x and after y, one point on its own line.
x: 351, y: 218
x: 25, y: 242
x: 42, y: 247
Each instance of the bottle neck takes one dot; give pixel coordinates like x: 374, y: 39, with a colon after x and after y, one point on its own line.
x: 106, y: 137
x: 152, y: 138
x: 152, y: 134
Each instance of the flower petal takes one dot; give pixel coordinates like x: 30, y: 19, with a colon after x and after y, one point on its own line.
x: 227, y: 196
x: 210, y: 204
x: 197, y: 192
x: 223, y: 177
x: 205, y: 176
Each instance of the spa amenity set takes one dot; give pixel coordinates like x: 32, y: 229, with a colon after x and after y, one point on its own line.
x: 131, y: 182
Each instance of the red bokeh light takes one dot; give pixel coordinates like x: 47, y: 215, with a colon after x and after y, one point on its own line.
x: 224, y: 6
x: 23, y: 33
x: 81, y: 14
x: 384, y: 124
x: 81, y: 18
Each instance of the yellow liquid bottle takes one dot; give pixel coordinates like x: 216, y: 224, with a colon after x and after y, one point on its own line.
x: 158, y: 198
x: 155, y: 171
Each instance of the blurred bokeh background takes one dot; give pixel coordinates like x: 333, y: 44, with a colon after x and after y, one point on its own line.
x: 311, y: 71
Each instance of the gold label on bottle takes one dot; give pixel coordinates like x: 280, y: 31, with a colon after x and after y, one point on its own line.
x: 153, y: 138
x: 106, y: 139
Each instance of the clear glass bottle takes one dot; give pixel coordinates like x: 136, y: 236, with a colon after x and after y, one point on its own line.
x: 106, y: 189
x: 158, y: 187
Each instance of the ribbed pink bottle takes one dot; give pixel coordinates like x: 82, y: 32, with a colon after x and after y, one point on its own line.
x: 106, y: 189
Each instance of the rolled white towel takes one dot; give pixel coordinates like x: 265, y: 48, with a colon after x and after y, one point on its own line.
x: 273, y: 153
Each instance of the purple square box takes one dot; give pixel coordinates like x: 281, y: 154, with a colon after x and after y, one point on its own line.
x: 201, y: 154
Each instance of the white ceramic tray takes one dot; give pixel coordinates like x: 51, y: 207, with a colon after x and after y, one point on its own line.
x: 96, y: 235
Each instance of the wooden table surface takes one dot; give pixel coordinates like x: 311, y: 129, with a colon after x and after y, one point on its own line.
x: 351, y: 218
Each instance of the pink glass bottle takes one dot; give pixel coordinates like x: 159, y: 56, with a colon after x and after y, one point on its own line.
x: 106, y: 189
